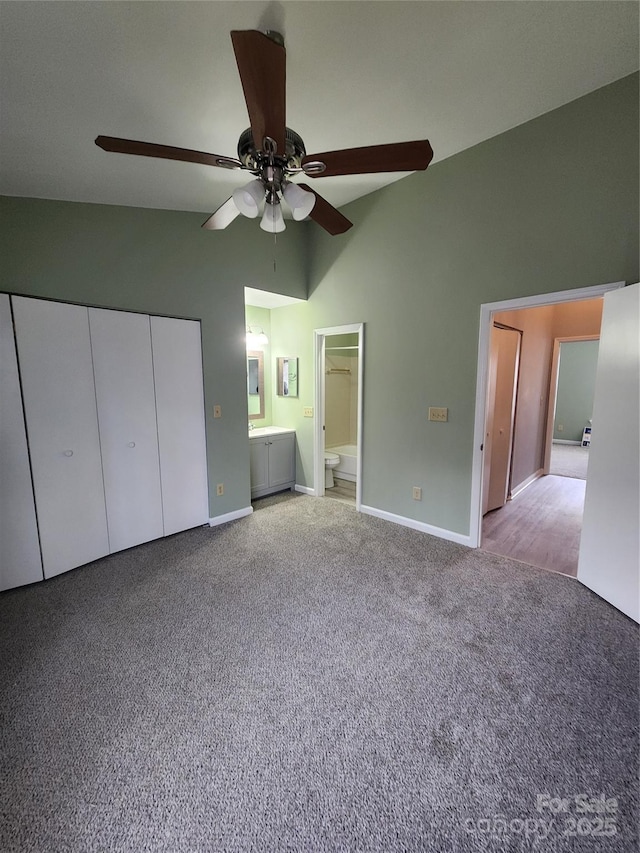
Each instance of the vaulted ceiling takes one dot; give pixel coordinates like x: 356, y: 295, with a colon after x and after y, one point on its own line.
x: 358, y: 73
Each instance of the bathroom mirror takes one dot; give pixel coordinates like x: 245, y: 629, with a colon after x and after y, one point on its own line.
x: 287, y: 376
x: 255, y: 384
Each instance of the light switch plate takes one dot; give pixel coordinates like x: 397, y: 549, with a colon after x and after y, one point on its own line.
x: 437, y: 413
x: 308, y: 411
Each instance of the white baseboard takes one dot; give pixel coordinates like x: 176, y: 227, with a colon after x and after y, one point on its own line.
x: 523, y: 485
x: 564, y: 441
x: 305, y: 490
x: 230, y: 516
x: 440, y: 532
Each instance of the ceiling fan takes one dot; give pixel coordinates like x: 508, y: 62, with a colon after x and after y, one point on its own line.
x: 273, y: 153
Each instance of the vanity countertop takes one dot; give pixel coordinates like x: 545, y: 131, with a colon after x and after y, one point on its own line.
x: 262, y: 432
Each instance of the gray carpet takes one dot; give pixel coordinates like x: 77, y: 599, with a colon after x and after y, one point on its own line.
x: 569, y: 460
x: 309, y: 679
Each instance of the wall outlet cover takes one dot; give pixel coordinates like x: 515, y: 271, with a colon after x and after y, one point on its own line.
x: 437, y: 413
x: 217, y: 411
x: 417, y: 493
x: 220, y: 489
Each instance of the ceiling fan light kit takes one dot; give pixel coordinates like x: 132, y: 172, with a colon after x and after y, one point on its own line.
x: 274, y: 153
x: 272, y: 219
x: 249, y: 198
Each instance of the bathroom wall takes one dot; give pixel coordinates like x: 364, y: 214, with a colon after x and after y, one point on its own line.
x: 341, y: 390
x: 260, y: 318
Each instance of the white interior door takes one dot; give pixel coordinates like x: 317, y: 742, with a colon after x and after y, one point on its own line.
x: 54, y: 353
x: 177, y: 365
x: 123, y: 369
x: 20, y: 561
x: 609, y: 560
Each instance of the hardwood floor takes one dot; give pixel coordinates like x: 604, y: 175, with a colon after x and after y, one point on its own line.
x: 344, y: 490
x: 541, y: 526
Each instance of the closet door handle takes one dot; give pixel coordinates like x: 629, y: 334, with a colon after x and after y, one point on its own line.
x: 131, y: 444
x: 68, y: 452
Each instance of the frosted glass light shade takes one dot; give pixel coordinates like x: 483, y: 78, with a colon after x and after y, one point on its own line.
x: 272, y: 220
x: 300, y: 201
x: 248, y: 198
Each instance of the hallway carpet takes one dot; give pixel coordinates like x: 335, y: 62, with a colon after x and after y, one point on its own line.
x: 569, y: 460
x: 310, y: 679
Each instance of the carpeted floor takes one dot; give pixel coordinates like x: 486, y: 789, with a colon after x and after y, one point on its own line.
x: 311, y: 679
x: 569, y: 460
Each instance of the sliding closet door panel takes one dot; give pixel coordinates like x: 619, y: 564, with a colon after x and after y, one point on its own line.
x: 177, y: 365
x: 54, y: 353
x: 20, y: 561
x: 121, y: 346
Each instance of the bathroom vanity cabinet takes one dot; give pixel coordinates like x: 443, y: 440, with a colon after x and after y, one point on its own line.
x: 272, y: 459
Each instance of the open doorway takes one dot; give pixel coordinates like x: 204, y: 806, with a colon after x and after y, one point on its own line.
x: 339, y: 356
x: 540, y: 520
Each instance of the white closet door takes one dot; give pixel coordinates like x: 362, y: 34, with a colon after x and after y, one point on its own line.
x: 54, y: 352
x: 177, y: 366
x: 20, y: 561
x: 123, y: 369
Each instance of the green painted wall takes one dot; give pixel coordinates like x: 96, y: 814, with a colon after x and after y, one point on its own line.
x: 550, y: 205
x: 162, y: 262
x: 576, y: 386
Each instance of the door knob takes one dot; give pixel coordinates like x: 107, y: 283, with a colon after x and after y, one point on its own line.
x: 131, y: 444
x: 68, y: 453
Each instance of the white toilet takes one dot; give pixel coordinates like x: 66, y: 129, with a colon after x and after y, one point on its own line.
x: 331, y: 461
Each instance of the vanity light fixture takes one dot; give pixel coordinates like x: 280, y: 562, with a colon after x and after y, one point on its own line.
x: 255, y: 338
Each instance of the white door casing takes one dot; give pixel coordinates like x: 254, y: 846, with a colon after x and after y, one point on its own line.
x: 319, y: 336
x: 487, y: 311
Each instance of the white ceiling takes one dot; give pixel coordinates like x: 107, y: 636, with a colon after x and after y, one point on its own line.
x: 358, y: 73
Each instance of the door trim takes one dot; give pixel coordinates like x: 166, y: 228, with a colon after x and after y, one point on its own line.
x: 487, y: 310
x: 319, y: 336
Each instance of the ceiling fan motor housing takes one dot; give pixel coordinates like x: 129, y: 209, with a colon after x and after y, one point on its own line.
x: 254, y: 158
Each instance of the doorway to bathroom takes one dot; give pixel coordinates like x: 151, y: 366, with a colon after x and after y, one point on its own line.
x: 339, y: 358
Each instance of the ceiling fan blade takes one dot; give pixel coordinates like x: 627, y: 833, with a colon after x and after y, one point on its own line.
x: 395, y: 157
x: 326, y: 215
x: 262, y: 66
x: 165, y: 152
x: 223, y: 216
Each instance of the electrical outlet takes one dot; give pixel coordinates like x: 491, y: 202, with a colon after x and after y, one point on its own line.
x: 308, y: 411
x: 560, y: 427
x: 438, y: 414
x: 417, y: 493
x: 220, y: 489
x: 217, y: 411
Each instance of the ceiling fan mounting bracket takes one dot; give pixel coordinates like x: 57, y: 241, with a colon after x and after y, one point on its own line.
x: 254, y: 159
x: 275, y: 36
